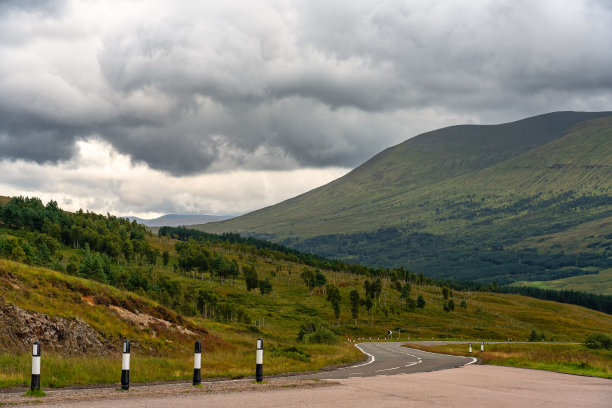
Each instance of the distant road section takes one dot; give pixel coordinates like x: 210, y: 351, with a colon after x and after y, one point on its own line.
x: 390, y: 358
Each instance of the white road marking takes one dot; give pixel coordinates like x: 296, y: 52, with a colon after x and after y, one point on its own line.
x: 450, y: 355
x: 366, y: 353
x: 473, y: 360
x: 389, y: 369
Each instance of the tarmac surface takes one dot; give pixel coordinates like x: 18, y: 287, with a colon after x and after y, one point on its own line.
x: 392, y: 376
x: 390, y: 358
x: 471, y: 386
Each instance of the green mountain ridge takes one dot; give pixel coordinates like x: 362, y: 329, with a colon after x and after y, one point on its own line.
x: 444, y: 200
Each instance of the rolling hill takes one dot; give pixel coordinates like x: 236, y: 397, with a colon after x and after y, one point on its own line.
x: 174, y: 220
x: 113, y: 280
x: 464, y: 202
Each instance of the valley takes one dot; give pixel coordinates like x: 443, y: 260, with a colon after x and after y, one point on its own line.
x: 474, y: 203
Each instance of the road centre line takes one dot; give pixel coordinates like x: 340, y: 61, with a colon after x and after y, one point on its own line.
x: 401, y: 352
x: 389, y: 369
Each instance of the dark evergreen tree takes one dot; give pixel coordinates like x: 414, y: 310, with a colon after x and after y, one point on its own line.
x: 420, y: 302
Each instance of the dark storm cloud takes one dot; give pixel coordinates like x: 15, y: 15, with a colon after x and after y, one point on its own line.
x: 204, y: 87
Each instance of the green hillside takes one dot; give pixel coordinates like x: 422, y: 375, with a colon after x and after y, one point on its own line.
x: 114, y: 280
x: 465, y: 202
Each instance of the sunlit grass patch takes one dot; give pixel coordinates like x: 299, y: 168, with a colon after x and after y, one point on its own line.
x: 564, y: 358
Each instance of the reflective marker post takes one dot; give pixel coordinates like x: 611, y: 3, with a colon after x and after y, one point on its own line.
x: 482, y: 347
x: 259, y: 361
x: 35, y: 385
x: 197, y: 364
x: 125, y: 366
x: 470, y: 347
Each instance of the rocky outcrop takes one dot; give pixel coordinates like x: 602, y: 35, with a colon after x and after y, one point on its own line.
x: 19, y: 328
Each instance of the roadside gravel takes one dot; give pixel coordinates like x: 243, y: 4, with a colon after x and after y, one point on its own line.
x: 58, y: 397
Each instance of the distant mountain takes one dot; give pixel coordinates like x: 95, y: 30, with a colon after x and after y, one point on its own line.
x: 174, y: 220
x: 464, y: 202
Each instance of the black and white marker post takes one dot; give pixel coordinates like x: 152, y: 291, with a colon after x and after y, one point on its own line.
x: 197, y: 364
x: 259, y: 361
x: 482, y: 347
x: 125, y: 366
x: 35, y: 367
x: 470, y: 347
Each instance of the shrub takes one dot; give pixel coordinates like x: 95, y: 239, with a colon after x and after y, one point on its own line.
x: 599, y: 341
x: 316, y: 332
x: 534, y: 336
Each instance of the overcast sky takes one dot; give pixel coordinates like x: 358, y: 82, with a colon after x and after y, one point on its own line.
x: 222, y: 107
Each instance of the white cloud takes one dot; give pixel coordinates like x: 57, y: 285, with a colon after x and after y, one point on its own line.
x: 100, y: 179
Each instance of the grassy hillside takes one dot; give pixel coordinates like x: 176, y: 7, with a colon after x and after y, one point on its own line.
x: 182, y: 291
x: 162, y: 340
x: 600, y: 282
x: 162, y: 351
x: 465, y: 202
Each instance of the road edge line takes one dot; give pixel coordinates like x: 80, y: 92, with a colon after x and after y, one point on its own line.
x: 367, y: 354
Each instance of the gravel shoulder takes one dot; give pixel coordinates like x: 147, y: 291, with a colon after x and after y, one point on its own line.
x: 63, y: 396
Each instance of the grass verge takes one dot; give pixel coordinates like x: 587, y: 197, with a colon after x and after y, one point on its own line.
x: 61, y: 371
x: 562, y: 358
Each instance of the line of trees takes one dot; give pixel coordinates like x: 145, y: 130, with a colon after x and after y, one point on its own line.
x: 594, y: 301
x: 398, y: 275
x: 40, y: 230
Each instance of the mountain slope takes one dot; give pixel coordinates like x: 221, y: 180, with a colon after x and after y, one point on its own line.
x: 437, y: 201
x: 174, y: 220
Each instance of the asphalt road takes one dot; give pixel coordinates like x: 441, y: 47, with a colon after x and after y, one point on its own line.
x: 474, y: 386
x: 435, y: 381
x: 390, y: 358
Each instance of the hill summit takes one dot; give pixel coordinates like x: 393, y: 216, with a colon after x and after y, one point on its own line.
x: 474, y: 202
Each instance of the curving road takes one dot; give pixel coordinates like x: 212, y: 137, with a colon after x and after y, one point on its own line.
x: 476, y: 386
x: 390, y: 358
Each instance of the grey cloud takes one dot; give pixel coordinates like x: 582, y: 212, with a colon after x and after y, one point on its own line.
x: 41, y: 7
x: 46, y: 146
x: 307, y: 83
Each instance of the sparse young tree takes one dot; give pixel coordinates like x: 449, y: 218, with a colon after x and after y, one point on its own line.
x: 354, y: 295
x: 166, y: 258
x: 368, y: 304
x: 309, y: 278
x: 319, y: 279
x: 406, y: 293
x: 445, y: 293
x: 250, y: 277
x: 420, y: 302
x: 333, y: 295
x: 265, y: 287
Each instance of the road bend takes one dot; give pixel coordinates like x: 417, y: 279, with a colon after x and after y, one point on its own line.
x: 390, y: 358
